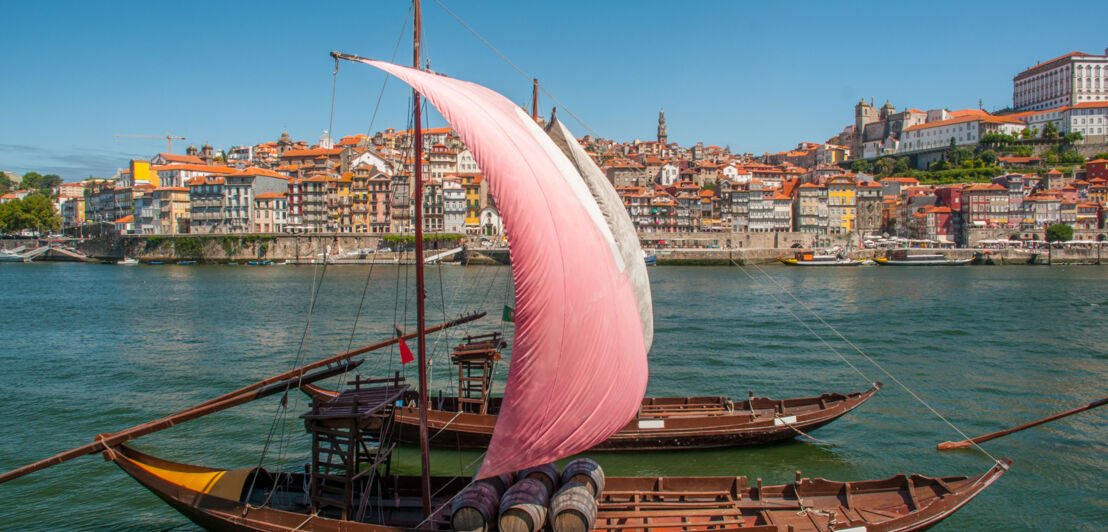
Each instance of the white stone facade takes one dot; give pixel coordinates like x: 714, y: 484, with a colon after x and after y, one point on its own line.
x: 1068, y: 80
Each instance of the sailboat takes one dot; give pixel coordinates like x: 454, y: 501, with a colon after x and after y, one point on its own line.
x: 578, y: 375
x: 465, y: 421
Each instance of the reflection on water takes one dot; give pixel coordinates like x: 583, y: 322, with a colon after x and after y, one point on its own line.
x: 88, y: 349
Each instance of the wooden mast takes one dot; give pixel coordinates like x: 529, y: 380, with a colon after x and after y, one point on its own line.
x: 424, y: 440
x: 535, y: 100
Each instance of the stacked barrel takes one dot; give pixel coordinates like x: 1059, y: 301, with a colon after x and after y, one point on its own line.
x: 528, y: 500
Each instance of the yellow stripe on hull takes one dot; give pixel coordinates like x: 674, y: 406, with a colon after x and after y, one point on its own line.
x: 220, y: 483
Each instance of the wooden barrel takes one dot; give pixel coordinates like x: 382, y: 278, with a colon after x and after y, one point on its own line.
x: 501, y: 482
x: 475, y: 508
x: 524, y: 507
x: 585, y: 471
x: 573, y: 508
x: 546, y: 473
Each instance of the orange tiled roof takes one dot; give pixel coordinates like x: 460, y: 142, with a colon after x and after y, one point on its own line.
x: 188, y: 159
x: 1059, y: 58
x: 983, y: 117
x: 212, y: 169
x: 269, y: 195
x: 311, y: 152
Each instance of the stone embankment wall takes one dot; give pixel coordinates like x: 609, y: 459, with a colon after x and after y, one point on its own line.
x: 699, y: 251
x: 232, y: 248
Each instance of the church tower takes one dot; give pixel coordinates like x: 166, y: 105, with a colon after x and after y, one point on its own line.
x: 662, y: 137
x: 284, y: 143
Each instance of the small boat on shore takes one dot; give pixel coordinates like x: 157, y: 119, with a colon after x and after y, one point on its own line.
x: 811, y: 258
x: 12, y: 256
x: 127, y: 262
x: 186, y: 262
x: 900, y: 257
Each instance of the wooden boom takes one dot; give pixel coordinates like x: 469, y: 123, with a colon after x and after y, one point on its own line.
x: 288, y: 380
x: 966, y: 443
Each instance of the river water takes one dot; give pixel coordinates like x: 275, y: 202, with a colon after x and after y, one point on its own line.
x: 87, y: 349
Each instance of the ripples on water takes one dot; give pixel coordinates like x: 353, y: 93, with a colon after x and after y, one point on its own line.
x: 89, y: 349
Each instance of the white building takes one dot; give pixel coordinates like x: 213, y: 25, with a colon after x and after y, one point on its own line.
x: 1089, y: 118
x: 491, y: 223
x: 966, y: 129
x: 453, y: 205
x: 668, y: 175
x: 1074, y: 78
x: 466, y: 163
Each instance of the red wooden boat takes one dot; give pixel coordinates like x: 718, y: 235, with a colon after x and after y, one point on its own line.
x: 466, y: 421
x: 255, y: 499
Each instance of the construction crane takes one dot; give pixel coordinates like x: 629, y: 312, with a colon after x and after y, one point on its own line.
x: 168, y: 138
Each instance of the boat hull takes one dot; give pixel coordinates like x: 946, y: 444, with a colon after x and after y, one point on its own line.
x: 636, y: 504
x: 948, y: 262
x: 842, y: 262
x: 663, y: 424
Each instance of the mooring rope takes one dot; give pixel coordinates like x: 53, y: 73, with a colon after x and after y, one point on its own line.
x: 859, y: 351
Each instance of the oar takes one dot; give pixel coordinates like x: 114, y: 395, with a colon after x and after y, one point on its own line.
x: 343, y: 356
x: 290, y: 379
x: 966, y: 443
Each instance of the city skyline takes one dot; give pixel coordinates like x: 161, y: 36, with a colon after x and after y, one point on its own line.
x: 752, y: 77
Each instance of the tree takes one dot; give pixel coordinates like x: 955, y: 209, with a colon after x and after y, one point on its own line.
x: 31, y: 180
x: 860, y: 165
x: 37, y: 181
x: 902, y: 166
x: 1071, y: 157
x: 959, y: 154
x: 1073, y: 136
x: 1101, y: 155
x: 1026, y: 134
x: 5, y: 183
x: 42, y: 210
x: 33, y: 212
x: 940, y: 165
x: 884, y: 166
x: 988, y: 157
x: 1050, y: 131
x: 1059, y: 233
x: 997, y: 139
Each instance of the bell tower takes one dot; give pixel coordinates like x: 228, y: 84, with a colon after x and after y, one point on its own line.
x: 662, y: 137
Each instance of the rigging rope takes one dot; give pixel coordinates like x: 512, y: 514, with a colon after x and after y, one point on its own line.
x: 384, y: 84
x: 280, y: 415
x: 517, y: 69
x: 806, y: 326
x: 860, y: 352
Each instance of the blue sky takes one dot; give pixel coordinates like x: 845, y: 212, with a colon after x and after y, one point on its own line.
x: 755, y: 76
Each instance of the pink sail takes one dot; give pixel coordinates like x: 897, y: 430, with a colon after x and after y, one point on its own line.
x: 579, y: 368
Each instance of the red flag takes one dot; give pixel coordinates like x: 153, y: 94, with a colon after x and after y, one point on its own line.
x: 405, y: 353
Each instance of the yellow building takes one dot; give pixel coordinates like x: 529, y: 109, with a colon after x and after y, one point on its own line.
x: 475, y: 187
x: 341, y: 203
x: 140, y: 173
x: 173, y: 210
x: 842, y: 204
